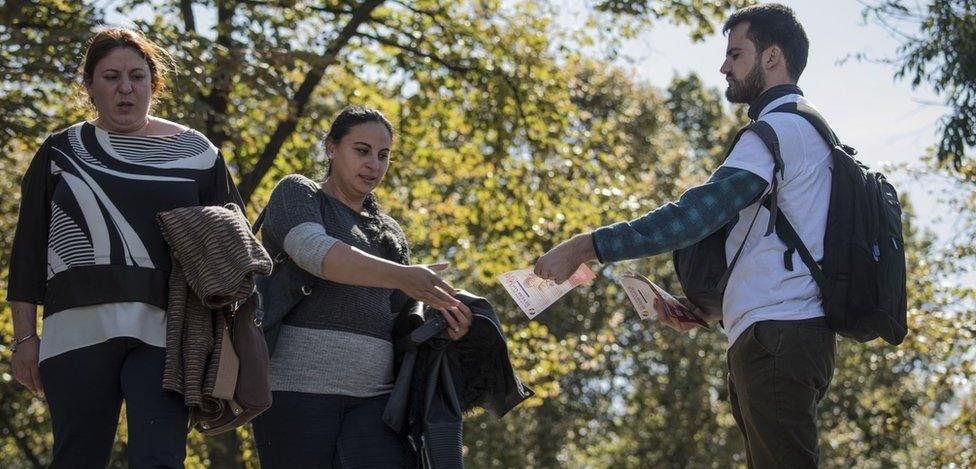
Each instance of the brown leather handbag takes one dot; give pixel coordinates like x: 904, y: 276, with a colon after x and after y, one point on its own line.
x: 242, y: 390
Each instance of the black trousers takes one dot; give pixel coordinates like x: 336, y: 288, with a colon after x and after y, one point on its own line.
x: 85, y: 389
x: 303, y: 430
x: 778, y: 373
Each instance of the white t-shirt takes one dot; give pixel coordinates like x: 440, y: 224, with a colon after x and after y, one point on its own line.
x: 760, y: 288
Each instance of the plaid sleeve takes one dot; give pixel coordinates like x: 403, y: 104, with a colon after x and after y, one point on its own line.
x: 699, y: 212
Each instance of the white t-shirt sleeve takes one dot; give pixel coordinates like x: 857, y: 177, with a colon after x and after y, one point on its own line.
x: 751, y: 154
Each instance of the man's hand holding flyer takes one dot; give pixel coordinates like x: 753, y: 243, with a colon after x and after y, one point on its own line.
x: 651, y: 300
x: 534, y: 294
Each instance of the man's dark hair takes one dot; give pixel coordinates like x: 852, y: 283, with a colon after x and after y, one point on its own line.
x: 772, y: 23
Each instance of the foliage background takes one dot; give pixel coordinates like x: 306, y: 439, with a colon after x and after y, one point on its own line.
x: 513, y: 133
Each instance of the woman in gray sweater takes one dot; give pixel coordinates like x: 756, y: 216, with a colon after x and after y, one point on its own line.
x: 332, y: 367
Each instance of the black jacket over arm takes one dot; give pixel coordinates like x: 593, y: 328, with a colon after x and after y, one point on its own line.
x: 439, y: 380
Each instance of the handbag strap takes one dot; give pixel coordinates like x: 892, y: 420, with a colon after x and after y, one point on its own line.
x: 259, y: 221
x: 422, y: 333
x: 256, y: 227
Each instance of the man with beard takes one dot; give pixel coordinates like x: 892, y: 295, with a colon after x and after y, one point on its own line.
x: 781, y: 352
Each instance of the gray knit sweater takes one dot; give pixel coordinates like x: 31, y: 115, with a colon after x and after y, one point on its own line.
x: 338, y: 339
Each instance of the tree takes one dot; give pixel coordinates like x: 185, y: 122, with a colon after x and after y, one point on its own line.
x: 598, y: 370
x: 477, y: 87
x: 937, y: 48
x: 508, y: 140
x: 699, y: 16
x: 39, y: 46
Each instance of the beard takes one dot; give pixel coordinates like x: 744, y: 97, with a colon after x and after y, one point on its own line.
x: 748, y: 89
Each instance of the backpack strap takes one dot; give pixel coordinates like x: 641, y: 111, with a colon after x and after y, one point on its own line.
x: 784, y: 229
x: 724, y: 281
x: 259, y: 221
x: 816, y: 120
x: 768, y: 136
x: 786, y: 232
x: 766, y: 133
x: 735, y: 141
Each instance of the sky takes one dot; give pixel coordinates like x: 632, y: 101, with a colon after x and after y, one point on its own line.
x: 885, y: 118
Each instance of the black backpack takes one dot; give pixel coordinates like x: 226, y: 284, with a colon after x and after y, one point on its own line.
x: 862, y: 275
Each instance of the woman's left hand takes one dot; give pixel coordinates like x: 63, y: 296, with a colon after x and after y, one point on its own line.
x: 462, y: 316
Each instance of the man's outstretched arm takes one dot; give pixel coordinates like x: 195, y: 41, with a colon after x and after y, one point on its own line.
x: 699, y: 212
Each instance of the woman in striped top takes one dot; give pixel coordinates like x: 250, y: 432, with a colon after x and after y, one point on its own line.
x: 89, y: 204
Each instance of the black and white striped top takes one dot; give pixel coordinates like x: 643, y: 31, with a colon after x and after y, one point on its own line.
x: 88, y: 206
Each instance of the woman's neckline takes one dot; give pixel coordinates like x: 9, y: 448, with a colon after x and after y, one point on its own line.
x: 361, y: 213
x: 122, y: 134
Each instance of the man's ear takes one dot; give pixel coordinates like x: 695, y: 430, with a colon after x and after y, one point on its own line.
x: 771, y: 57
x: 330, y: 148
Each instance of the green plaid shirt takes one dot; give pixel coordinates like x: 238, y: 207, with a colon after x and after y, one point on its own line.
x: 699, y: 212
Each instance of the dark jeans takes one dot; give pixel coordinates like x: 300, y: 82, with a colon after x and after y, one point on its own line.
x: 778, y: 373
x: 304, y: 430
x: 85, y: 388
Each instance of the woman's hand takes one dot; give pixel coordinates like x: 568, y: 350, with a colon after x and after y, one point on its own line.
x: 462, y: 317
x: 24, y: 365
x: 423, y: 284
